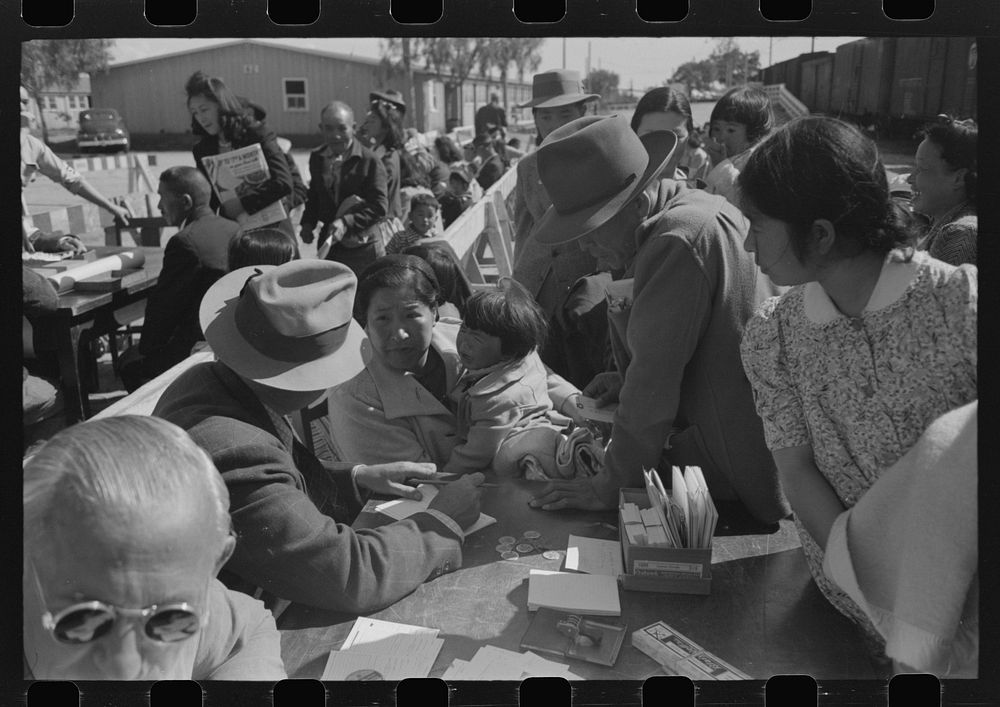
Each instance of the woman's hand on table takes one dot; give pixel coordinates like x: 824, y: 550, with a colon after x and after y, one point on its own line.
x: 390, y: 479
x: 459, y: 500
x: 57, y: 243
x: 604, y: 388
x: 580, y: 493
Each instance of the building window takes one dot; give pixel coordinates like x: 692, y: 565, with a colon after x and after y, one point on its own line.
x: 51, y: 103
x: 71, y: 103
x: 432, y: 89
x: 295, y: 95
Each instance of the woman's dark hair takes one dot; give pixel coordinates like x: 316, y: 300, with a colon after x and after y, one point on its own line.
x: 261, y: 246
x: 749, y: 107
x: 509, y: 313
x: 447, y: 150
x: 661, y: 100
x: 411, y: 172
x: 235, y: 116
x: 823, y: 168
x: 453, y: 284
x: 957, y: 141
x: 394, y: 272
x: 392, y: 119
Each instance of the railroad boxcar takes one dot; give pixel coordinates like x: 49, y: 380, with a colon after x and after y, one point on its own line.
x: 816, y: 75
x: 862, y: 77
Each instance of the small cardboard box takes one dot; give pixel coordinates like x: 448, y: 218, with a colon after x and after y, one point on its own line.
x: 661, y: 569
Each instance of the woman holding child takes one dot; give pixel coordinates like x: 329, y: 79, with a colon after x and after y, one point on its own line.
x: 870, y: 345
x: 405, y: 404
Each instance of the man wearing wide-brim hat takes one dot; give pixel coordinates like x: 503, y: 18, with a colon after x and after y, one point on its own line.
x: 548, y: 272
x: 392, y: 97
x: 682, y: 393
x: 284, y: 335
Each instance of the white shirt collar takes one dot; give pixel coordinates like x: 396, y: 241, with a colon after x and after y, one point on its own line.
x: 893, y: 280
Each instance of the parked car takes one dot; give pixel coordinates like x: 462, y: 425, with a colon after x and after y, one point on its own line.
x: 100, y: 129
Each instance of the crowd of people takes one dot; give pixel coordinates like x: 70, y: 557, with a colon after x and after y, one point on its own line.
x: 757, y: 302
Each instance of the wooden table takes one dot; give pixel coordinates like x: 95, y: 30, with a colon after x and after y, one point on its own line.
x: 97, y: 313
x: 764, y: 614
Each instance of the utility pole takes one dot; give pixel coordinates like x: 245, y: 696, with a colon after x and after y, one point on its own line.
x: 564, y: 53
x: 770, y: 51
x: 588, y: 58
x: 812, y: 47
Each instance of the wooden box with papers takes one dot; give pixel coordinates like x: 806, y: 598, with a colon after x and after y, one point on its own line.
x: 651, y: 564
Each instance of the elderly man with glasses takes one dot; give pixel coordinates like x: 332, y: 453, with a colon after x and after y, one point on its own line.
x: 126, y: 523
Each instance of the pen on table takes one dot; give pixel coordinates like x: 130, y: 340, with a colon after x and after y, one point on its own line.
x: 442, y: 482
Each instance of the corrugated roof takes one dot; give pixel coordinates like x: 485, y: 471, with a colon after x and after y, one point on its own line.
x: 271, y: 45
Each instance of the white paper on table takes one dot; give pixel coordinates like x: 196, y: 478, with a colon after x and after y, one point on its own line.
x: 458, y: 670
x: 494, y: 663
x: 565, y: 591
x: 367, y: 630
x: 404, y: 508
x: 696, y: 508
x: 588, y: 408
x: 404, y: 659
x: 594, y: 556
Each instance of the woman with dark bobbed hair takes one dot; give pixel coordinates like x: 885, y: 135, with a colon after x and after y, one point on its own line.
x: 383, y: 128
x: 944, y: 189
x: 664, y: 108
x: 871, y: 343
x: 224, y: 122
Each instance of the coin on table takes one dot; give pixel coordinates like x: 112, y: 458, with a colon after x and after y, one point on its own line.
x: 507, y: 540
x: 509, y: 555
x: 551, y: 555
x: 525, y: 547
x: 503, y: 547
x: 532, y: 534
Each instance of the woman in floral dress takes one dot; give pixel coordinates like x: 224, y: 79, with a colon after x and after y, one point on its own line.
x: 871, y: 343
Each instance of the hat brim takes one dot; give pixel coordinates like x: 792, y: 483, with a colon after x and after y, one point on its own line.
x: 561, y: 100
x: 389, y: 99
x: 554, y: 228
x: 217, y: 317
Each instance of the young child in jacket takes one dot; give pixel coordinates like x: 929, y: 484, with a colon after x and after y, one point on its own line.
x: 421, y: 223
x: 505, y: 384
x: 740, y: 120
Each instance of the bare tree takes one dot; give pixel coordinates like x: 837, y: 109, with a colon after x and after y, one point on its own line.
x: 57, y: 63
x: 452, y: 59
x: 521, y: 53
x: 397, y: 60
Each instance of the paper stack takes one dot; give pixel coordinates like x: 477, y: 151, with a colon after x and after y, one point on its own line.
x: 492, y: 663
x: 383, y: 650
x: 404, y: 508
x: 684, y: 518
x: 594, y: 594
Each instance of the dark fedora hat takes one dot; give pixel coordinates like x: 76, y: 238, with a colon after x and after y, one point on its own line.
x: 591, y: 168
x: 391, y: 96
x: 562, y: 87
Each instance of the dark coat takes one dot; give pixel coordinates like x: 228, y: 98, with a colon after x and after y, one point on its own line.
x: 361, y: 175
x: 290, y: 510
x: 195, y: 257
x: 490, y: 172
x: 281, y: 183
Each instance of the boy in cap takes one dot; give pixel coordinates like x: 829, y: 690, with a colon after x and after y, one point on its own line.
x: 679, y: 378
x: 492, y: 165
x: 283, y: 335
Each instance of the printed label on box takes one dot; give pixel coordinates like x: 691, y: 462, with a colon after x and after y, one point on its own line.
x: 673, y: 643
x: 655, y: 567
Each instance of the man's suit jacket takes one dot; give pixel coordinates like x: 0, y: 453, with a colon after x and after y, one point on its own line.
x: 290, y: 510
x: 361, y: 175
x: 193, y: 260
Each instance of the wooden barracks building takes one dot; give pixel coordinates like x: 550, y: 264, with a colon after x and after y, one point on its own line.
x: 292, y: 84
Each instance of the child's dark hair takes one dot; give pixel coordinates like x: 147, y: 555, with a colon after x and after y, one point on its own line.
x: 957, y: 141
x: 510, y: 314
x: 395, y: 272
x: 234, y: 115
x: 447, y: 150
x: 747, y: 106
x: 823, y: 168
x: 661, y: 100
x: 261, y: 246
x: 423, y: 199
x: 453, y: 284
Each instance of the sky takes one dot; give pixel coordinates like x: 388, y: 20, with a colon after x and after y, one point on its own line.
x: 640, y: 62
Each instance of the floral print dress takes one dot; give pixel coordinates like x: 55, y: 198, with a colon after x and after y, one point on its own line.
x: 860, y: 391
